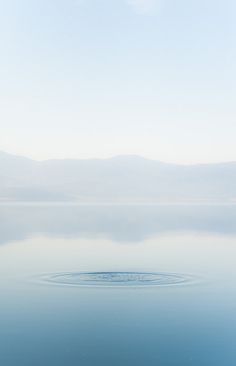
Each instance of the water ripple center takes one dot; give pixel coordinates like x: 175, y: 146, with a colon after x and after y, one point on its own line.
x: 117, y: 279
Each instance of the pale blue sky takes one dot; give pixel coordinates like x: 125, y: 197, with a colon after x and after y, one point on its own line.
x: 97, y: 78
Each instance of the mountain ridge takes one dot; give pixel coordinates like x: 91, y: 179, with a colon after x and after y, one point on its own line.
x: 123, y: 178
x: 114, y: 158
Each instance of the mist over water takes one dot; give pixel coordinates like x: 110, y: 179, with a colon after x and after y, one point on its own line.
x: 124, y: 223
x: 117, y: 285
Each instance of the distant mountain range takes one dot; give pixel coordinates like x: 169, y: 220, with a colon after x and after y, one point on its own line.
x: 122, y: 179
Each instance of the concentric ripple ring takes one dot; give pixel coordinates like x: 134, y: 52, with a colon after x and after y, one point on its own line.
x: 116, y: 279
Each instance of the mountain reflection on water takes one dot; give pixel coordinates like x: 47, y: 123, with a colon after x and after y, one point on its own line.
x: 120, y: 223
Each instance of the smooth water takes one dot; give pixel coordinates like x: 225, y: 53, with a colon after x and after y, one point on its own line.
x: 117, y: 285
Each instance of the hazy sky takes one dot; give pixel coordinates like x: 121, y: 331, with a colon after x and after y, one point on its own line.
x: 96, y: 78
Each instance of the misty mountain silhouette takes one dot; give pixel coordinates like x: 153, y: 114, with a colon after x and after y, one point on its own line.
x: 120, y: 179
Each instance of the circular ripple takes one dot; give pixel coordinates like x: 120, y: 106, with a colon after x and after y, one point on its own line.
x: 117, y: 279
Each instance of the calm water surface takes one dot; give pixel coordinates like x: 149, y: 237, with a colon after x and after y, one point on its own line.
x: 117, y: 285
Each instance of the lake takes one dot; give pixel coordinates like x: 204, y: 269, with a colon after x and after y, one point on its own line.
x: 117, y: 285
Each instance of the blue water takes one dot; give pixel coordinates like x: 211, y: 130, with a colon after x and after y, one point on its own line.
x: 117, y: 285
